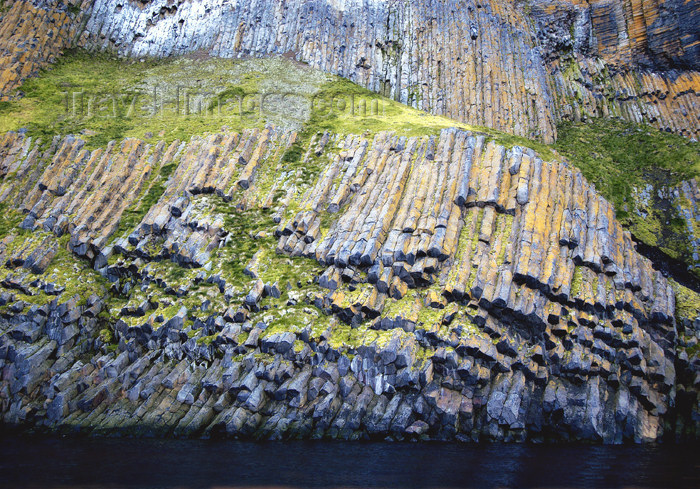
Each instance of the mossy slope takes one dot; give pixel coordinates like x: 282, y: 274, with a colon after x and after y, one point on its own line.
x: 638, y: 168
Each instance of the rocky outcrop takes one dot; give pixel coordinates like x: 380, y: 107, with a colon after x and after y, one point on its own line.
x: 686, y: 198
x: 32, y: 35
x: 623, y: 33
x: 584, y: 88
x: 519, y: 67
x: 429, y: 287
x: 471, y: 62
x: 271, y: 284
x: 479, y: 64
x: 75, y: 194
x: 635, y: 60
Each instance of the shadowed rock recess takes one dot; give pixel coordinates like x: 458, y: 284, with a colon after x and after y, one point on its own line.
x: 270, y: 283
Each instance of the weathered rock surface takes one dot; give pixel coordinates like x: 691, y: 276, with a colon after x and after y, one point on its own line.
x: 687, y: 201
x: 518, y: 67
x: 636, y: 60
x: 32, y: 35
x: 466, y: 291
x: 659, y: 35
x: 264, y: 284
x: 459, y: 59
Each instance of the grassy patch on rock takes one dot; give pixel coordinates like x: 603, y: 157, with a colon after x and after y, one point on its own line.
x: 636, y: 168
x: 341, y: 107
x: 104, y: 98
x: 70, y: 275
x: 133, y: 216
x: 10, y: 218
x: 687, y: 302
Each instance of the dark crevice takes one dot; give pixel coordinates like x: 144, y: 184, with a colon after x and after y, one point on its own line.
x: 668, y: 266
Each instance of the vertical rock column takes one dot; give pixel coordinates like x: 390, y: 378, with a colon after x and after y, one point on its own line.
x: 33, y: 33
x: 473, y: 61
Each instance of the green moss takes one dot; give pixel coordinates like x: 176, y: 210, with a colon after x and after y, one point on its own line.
x: 618, y: 156
x: 634, y: 167
x: 687, y: 302
x: 430, y: 316
x: 406, y: 307
x: 345, y: 108
x: 206, y: 340
x: 65, y: 270
x: 294, y: 153
x: 45, y: 107
x: 328, y: 219
x: 10, y: 218
x: 576, y: 282
x: 299, y: 346
x: 244, y: 226
x: 106, y: 336
x: 105, y: 98
x: 250, y: 232
x: 347, y: 338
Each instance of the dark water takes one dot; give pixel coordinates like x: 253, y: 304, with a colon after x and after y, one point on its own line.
x: 116, y: 463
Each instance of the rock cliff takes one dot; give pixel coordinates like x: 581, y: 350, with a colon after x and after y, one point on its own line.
x: 514, y: 66
x: 398, y: 276
x: 437, y: 287
x: 635, y: 60
x: 32, y: 35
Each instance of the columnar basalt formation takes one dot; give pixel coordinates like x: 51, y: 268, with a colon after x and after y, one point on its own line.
x: 465, y: 290
x: 290, y: 282
x: 475, y: 63
x: 494, y: 64
x: 664, y: 100
x: 687, y: 201
x: 658, y: 35
x: 635, y: 60
x: 32, y: 35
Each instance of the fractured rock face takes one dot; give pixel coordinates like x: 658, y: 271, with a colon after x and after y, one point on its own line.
x: 32, y: 35
x: 664, y: 100
x: 273, y: 285
x: 466, y: 290
x: 687, y: 201
x: 376, y: 44
x: 632, y: 60
x: 462, y: 62
x: 484, y: 222
x: 653, y: 35
x: 488, y: 63
x: 493, y: 76
x: 68, y: 189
